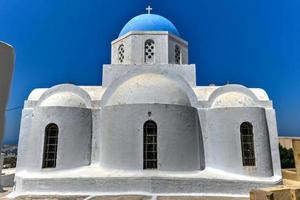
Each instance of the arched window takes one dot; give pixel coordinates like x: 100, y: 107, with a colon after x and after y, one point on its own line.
x: 247, y: 144
x: 149, y: 51
x: 50, y: 146
x: 121, y: 52
x: 177, y: 54
x: 150, y: 145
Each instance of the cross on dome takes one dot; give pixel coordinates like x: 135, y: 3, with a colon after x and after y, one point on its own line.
x: 149, y: 9
x: 149, y: 22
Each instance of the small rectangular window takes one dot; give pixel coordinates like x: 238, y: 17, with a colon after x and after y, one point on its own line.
x: 247, y: 143
x: 149, y: 51
x: 177, y: 54
x: 50, y: 146
x: 150, y: 145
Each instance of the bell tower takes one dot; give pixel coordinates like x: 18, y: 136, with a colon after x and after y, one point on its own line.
x: 149, y: 39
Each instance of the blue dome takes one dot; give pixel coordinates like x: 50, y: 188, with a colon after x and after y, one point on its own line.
x: 149, y: 22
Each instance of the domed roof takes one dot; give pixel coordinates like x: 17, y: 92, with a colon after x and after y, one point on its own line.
x: 149, y: 22
x: 66, y: 99
x: 233, y: 99
x: 148, y: 88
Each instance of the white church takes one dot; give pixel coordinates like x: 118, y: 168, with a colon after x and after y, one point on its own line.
x: 149, y: 129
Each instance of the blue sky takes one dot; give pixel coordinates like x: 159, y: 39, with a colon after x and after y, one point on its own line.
x: 255, y: 43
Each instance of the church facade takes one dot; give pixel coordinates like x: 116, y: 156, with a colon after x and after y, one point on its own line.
x: 149, y: 128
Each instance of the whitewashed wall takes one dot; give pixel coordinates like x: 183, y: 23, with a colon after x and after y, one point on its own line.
x: 121, y: 136
x: 222, y: 141
x: 74, y: 137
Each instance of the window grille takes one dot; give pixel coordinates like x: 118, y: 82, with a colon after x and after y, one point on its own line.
x: 177, y: 54
x: 247, y: 144
x: 121, y: 51
x: 149, y: 51
x: 150, y: 145
x: 50, y: 146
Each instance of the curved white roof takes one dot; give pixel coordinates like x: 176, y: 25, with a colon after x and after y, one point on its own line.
x: 203, y: 92
x: 66, y: 99
x: 95, y: 92
x: 66, y: 95
x: 148, y: 88
x: 233, y: 99
x: 36, y: 94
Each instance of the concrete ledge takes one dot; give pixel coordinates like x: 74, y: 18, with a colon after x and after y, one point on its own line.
x: 51, y: 197
x: 137, y: 186
x: 128, y: 197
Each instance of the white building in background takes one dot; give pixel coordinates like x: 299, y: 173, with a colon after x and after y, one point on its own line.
x: 149, y: 128
x: 6, y: 70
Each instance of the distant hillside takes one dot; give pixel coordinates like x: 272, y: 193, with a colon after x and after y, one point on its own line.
x: 10, y: 152
x: 9, y: 149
